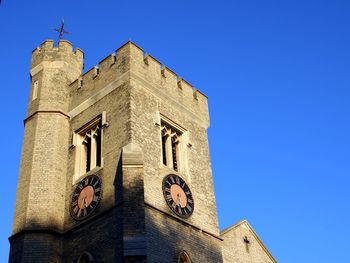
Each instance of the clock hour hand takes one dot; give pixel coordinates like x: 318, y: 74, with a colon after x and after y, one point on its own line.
x: 180, y: 200
x: 83, y: 202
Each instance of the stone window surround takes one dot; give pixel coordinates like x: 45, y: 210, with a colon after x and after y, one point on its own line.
x: 35, y: 90
x: 181, y: 151
x: 94, y: 126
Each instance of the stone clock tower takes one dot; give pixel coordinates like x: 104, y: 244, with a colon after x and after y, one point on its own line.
x: 115, y: 166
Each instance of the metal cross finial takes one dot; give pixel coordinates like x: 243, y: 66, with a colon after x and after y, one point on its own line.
x: 61, y: 30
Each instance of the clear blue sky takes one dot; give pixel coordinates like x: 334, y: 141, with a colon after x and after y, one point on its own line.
x: 277, y: 74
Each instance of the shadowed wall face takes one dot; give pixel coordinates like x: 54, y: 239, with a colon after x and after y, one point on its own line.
x: 133, y: 94
x: 129, y: 100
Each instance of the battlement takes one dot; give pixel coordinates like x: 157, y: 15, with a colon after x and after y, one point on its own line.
x: 141, y: 65
x: 63, y: 52
x: 158, y: 72
x: 156, y: 76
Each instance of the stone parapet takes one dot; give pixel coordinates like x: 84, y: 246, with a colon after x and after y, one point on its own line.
x: 165, y: 81
x: 131, y: 58
x: 48, y: 52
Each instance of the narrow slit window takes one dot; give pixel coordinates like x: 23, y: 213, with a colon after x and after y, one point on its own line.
x: 35, y: 90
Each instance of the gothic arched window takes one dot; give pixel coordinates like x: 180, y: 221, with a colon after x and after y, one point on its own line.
x: 184, y: 258
x: 173, y: 146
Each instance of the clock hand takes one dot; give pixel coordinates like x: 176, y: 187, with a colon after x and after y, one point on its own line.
x: 177, y: 198
x: 180, y: 200
x: 81, y: 201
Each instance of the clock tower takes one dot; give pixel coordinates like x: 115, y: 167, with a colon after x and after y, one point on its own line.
x: 115, y: 166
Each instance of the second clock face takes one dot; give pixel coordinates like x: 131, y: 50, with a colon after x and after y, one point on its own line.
x: 86, y: 197
x: 178, y: 195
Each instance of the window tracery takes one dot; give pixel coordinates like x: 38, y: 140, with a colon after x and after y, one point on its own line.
x: 171, y: 139
x: 88, y: 143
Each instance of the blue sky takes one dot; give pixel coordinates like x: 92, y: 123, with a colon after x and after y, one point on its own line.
x: 277, y: 74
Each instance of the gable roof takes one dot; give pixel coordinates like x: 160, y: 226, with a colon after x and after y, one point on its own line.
x: 249, y: 227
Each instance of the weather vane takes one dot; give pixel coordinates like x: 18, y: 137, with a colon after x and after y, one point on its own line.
x: 60, y: 30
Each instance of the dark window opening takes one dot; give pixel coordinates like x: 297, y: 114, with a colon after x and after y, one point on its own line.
x: 88, y: 153
x: 174, y: 152
x: 164, y: 138
x: 98, y: 148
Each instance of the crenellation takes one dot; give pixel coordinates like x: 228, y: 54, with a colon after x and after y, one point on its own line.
x: 108, y: 122
x: 179, y: 82
x: 195, y: 94
x: 101, y: 68
x: 140, y: 61
x: 96, y: 71
x: 152, y: 70
x: 145, y: 58
x: 88, y: 74
x: 79, y: 53
x: 113, y: 58
x: 157, y: 73
x: 80, y: 82
x: 106, y: 63
x: 156, y: 61
x: 47, y: 45
x: 63, y: 52
x: 162, y: 71
x: 104, y: 73
x: 65, y: 45
x: 187, y: 90
x: 168, y: 71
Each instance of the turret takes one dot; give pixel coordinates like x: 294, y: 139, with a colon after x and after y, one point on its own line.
x: 52, y: 70
x: 40, y: 200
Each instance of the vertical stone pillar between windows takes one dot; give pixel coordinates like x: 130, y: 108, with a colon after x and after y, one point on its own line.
x: 168, y: 150
x: 93, y: 150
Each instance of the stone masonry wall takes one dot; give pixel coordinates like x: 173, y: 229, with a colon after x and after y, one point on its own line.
x: 41, y: 191
x: 102, y: 234
x: 146, y: 108
x: 235, y: 250
x: 134, y: 91
x: 167, y: 238
x: 115, y: 136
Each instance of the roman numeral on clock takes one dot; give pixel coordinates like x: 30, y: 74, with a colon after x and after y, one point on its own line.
x: 189, y: 208
x: 168, y: 197
x: 86, y: 197
x: 177, y: 193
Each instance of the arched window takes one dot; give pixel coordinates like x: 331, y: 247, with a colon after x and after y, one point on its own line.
x: 184, y: 258
x: 85, y: 258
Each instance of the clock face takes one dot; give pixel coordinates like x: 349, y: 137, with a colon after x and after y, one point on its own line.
x: 86, y: 197
x: 178, y: 195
